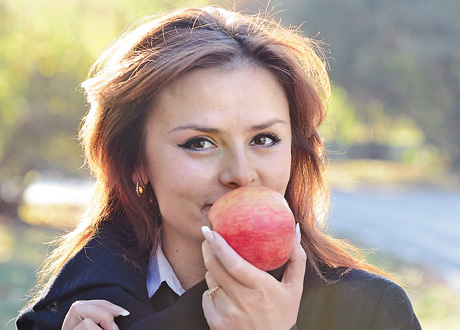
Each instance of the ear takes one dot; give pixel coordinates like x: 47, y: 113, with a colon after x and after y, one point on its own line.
x: 141, y: 175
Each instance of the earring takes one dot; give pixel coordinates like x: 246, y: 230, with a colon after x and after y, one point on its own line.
x: 139, y: 189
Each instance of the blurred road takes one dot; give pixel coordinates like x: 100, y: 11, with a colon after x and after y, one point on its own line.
x: 422, y: 226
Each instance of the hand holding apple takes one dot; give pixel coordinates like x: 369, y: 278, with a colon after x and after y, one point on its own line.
x: 257, y: 223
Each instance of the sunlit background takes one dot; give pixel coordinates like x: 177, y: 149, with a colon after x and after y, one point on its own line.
x: 393, y: 132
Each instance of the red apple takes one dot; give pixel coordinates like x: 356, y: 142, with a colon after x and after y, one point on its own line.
x: 257, y: 223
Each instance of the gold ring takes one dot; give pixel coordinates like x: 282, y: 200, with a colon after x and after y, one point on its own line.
x: 212, y: 290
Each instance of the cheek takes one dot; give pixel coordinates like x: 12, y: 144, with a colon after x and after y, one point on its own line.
x: 278, y: 171
x: 285, y: 170
x: 175, y: 177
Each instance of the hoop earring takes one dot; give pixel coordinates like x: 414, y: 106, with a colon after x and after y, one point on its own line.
x: 139, y: 189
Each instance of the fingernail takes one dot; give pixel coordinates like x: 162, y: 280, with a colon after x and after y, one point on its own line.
x: 121, y: 311
x: 207, y: 234
x: 297, y: 232
x: 124, y: 312
x: 115, y: 327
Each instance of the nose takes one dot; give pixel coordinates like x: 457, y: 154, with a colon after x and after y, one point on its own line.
x: 237, y: 170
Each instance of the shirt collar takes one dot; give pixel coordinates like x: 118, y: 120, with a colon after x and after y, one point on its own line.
x: 159, y: 270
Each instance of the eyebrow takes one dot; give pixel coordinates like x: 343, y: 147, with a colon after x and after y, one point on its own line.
x: 267, y: 124
x: 217, y: 131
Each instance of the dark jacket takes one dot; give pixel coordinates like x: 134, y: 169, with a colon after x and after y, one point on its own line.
x: 357, y: 300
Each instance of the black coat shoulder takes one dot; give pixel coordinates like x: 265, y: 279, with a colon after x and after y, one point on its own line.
x: 97, y: 271
x: 100, y: 271
x: 355, y: 300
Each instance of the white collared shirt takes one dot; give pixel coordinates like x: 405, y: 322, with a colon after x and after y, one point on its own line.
x: 159, y: 270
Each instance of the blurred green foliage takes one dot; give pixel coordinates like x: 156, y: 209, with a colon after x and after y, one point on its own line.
x: 22, y: 250
x: 46, y: 50
x: 399, y: 62
x: 353, y: 135
x: 395, y: 67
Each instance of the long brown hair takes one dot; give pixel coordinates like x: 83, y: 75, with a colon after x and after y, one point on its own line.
x: 121, y: 92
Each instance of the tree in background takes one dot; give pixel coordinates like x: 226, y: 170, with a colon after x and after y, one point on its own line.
x: 395, y: 66
x: 401, y: 56
x: 46, y: 50
x: 398, y: 63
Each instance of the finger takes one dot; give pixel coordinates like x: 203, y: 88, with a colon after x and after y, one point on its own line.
x: 295, y: 268
x: 210, y: 280
x: 214, y: 287
x: 209, y: 307
x: 87, y: 324
x: 215, y: 267
x: 84, y: 315
x: 207, y: 298
x: 217, y: 275
x: 214, y: 304
x: 115, y: 309
x: 101, y: 312
x: 226, y: 265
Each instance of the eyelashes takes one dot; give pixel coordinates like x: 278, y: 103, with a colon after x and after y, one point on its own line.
x: 265, y: 140
x: 201, y: 143
x: 198, y: 144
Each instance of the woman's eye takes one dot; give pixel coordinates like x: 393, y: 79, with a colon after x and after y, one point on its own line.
x: 265, y: 140
x: 198, y: 144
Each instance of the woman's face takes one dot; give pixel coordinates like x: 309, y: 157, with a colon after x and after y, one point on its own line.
x: 212, y: 131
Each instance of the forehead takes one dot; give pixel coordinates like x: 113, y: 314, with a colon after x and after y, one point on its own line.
x: 207, y: 94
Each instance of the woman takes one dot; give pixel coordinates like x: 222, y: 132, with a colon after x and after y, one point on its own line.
x: 182, y: 110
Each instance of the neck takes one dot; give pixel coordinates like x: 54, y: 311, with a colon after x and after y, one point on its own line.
x: 184, y: 256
